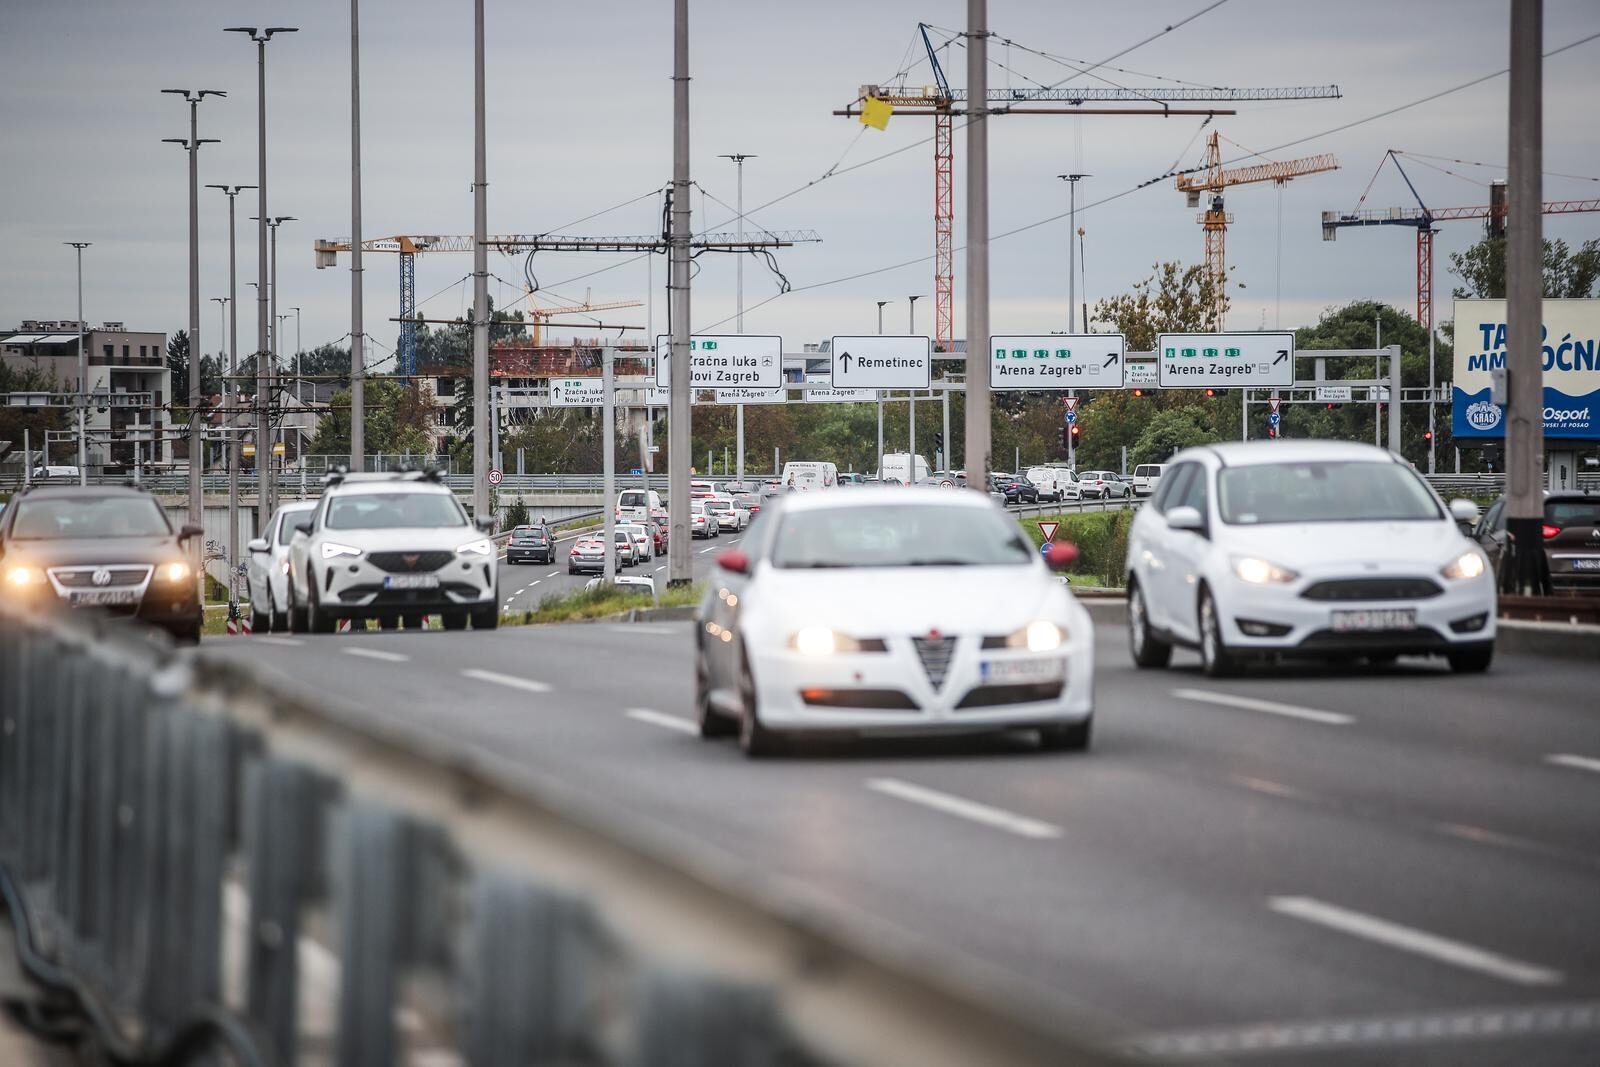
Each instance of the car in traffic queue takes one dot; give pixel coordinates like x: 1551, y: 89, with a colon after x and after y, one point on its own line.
x: 105, y: 547
x: 1571, y: 541
x: 1054, y: 483
x: 911, y: 611
x: 659, y: 537
x: 267, y: 568
x: 702, y: 521
x: 1146, y: 477
x: 1103, y: 485
x: 750, y: 502
x: 643, y: 543
x: 531, y: 544
x: 729, y: 515
x: 587, y: 554
x: 1304, y: 549
x: 627, y: 548
x: 392, y: 547
x: 640, y: 505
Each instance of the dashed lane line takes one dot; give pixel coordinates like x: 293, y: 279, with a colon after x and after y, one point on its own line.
x: 1579, y: 763
x: 962, y: 808
x: 379, y: 654
x: 657, y: 718
x: 1270, y: 707
x: 509, y: 681
x: 286, y: 642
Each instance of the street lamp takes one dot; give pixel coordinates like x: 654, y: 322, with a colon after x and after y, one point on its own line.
x: 738, y: 160
x: 230, y: 390
x: 83, y: 376
x: 273, y: 348
x: 1072, y: 181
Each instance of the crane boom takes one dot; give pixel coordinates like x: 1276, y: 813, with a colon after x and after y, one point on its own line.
x: 1264, y: 172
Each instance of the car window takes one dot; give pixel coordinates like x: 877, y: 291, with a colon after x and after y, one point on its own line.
x: 1321, y: 491
x: 1490, y: 523
x: 287, y: 523
x: 1171, y: 486
x: 895, y: 535
x: 1193, y: 493
x: 1566, y: 513
x: 79, y: 517
x: 387, y: 511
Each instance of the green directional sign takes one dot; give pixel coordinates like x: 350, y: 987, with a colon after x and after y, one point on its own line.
x: 1209, y: 360
x: 1057, y: 361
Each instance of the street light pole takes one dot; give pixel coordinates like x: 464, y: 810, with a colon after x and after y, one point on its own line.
x: 270, y: 474
x: 358, y: 348
x: 230, y: 388
x: 1072, y: 181
x: 979, y: 430
x: 83, y: 377
x: 480, y: 279
x: 738, y: 159
x: 679, y: 562
x: 196, y: 439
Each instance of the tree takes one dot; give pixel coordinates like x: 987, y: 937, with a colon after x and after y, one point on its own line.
x: 1175, y: 299
x: 1168, y: 432
x: 1566, y: 273
x: 398, y: 421
x: 35, y: 421
x: 516, y: 515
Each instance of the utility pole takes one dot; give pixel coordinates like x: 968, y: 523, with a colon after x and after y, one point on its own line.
x: 197, y: 458
x: 83, y: 377
x: 1432, y: 387
x: 738, y: 159
x: 358, y: 348
x: 978, y: 428
x: 230, y: 390
x: 881, y: 303
x: 480, y: 278
x: 911, y: 417
x: 1524, y: 304
x: 608, y: 464
x: 1072, y: 181
x: 269, y: 473
x: 680, y: 564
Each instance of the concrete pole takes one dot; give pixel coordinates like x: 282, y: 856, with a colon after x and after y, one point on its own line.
x: 679, y: 559
x: 1432, y: 386
x: 263, y: 420
x: 83, y: 378
x: 739, y: 320
x: 1524, y: 302
x: 911, y: 418
x: 480, y: 278
x: 944, y: 455
x: 978, y: 427
x: 1395, y: 440
x: 608, y: 467
x: 197, y: 443
x: 358, y: 363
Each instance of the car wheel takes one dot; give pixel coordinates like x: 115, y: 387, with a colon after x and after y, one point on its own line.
x: 486, y: 619
x: 412, y: 621
x: 318, y: 621
x: 755, y: 740
x: 298, y: 624
x: 388, y: 622
x: 187, y: 633
x: 455, y: 620
x: 1215, y: 659
x: 1149, y: 651
x: 1471, y: 660
x: 260, y: 621
x: 1073, y: 737
x: 713, y: 724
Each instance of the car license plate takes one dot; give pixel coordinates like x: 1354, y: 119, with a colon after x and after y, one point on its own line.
x: 411, y: 581
x: 102, y: 598
x: 1375, y: 619
x: 1022, y: 670
x: 1592, y: 564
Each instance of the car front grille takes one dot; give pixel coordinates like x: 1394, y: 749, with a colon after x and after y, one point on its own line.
x: 1372, y: 589
x: 83, y: 577
x: 410, y: 562
x: 990, y: 696
x: 935, y: 654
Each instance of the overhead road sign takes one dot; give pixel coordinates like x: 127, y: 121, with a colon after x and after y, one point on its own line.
x: 1209, y: 360
x: 577, y: 393
x: 882, y: 361
x: 1570, y: 357
x: 726, y: 361
x: 1057, y: 361
x: 1334, y: 394
x: 1141, y: 374
x: 743, y: 396
x: 822, y: 392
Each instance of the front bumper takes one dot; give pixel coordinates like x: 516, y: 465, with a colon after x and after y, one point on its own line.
x: 357, y: 588
x: 1461, y: 616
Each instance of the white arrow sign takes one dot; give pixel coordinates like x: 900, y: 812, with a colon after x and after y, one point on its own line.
x: 1208, y: 360
x: 576, y: 393
x: 877, y: 361
x: 726, y: 361
x: 1057, y: 361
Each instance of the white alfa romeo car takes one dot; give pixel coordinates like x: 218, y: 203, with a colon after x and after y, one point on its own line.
x: 1320, y: 549
x: 884, y: 611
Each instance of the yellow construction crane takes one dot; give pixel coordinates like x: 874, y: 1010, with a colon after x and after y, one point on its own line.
x: 1215, y: 220
x: 538, y: 316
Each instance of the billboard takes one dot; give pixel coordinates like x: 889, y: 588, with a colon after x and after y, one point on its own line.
x: 1570, y: 357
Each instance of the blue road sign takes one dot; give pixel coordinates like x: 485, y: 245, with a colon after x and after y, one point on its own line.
x: 1044, y: 549
x: 1072, y: 417
x: 1274, y: 418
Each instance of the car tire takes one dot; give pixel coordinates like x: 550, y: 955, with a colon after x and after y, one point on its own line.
x: 1215, y: 659
x: 1149, y: 651
x: 187, y: 633
x: 712, y: 723
x: 298, y: 624
x: 755, y: 740
x: 486, y: 619
x: 455, y: 620
x: 319, y: 621
x: 260, y: 621
x: 1068, y: 737
x: 388, y: 622
x: 1473, y: 660
x: 412, y: 621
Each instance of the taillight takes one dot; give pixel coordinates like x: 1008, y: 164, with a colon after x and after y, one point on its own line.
x: 1549, y: 531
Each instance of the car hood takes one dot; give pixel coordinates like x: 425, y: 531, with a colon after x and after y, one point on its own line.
x: 900, y: 600
x: 404, y: 538
x: 1323, y: 546
x: 66, y: 552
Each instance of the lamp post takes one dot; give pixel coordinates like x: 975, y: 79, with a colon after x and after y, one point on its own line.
x: 233, y: 526
x: 1072, y: 181
x: 230, y: 386
x: 196, y: 441
x: 738, y: 159
x: 261, y: 37
x: 83, y: 377
x: 269, y: 480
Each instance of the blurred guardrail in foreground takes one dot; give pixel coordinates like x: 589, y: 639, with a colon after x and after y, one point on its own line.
x: 196, y: 862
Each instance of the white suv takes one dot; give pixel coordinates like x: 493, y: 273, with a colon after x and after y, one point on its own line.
x: 390, y: 547
x: 268, y: 568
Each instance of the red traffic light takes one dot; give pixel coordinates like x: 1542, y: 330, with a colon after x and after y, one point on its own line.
x: 1138, y: 392
x: 1211, y: 392
x: 1427, y: 435
x: 1074, y: 429
x: 1330, y: 407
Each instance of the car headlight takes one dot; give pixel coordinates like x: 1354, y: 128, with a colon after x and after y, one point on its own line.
x: 484, y: 547
x: 822, y: 641
x: 284, y: 565
x: 1467, y: 565
x: 1040, y: 635
x: 176, y: 571
x: 330, y: 549
x: 22, y: 577
x: 1260, y: 572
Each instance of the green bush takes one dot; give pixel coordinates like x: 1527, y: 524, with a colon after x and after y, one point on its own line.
x: 1101, y: 537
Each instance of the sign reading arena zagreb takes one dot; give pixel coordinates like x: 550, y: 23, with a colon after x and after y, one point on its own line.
x: 1570, y: 357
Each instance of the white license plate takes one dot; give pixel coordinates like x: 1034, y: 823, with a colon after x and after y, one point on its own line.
x: 102, y: 598
x: 1375, y: 619
x: 411, y: 581
x: 1022, y: 670
x: 1586, y: 564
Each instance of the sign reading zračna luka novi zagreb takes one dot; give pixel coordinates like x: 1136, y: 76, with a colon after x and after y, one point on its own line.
x: 1570, y: 357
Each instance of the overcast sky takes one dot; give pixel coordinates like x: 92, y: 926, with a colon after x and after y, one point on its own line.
x: 579, y: 120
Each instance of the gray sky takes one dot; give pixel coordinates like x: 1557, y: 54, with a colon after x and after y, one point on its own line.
x: 580, y: 120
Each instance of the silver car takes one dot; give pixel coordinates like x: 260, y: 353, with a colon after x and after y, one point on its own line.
x: 643, y: 543
x: 267, y: 568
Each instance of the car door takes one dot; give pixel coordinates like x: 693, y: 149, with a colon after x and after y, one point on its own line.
x: 1490, y: 533
x: 1186, y: 554
x: 727, y: 600
x: 1154, y: 561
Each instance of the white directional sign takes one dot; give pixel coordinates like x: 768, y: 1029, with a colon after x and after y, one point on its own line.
x: 742, y: 396
x: 822, y: 392
x: 1202, y: 360
x: 1142, y: 373
x: 880, y: 361
x: 576, y: 393
x: 1057, y: 361
x: 726, y: 361
x: 1334, y: 393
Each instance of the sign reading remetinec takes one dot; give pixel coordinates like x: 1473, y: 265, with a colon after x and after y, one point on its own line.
x: 1569, y: 354
x: 1057, y: 361
x: 726, y: 361
x: 1201, y: 360
x: 577, y: 393
x: 882, y: 361
x: 822, y: 392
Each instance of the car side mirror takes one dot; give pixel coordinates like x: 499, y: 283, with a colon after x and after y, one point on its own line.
x: 1186, y: 518
x: 1060, y: 556
x: 1463, y: 511
x: 189, y: 531
x: 486, y: 523
x: 258, y: 544
x: 735, y: 562
x: 303, y: 527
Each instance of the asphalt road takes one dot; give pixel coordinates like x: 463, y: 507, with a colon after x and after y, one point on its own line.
x: 1303, y: 866
x: 524, y: 585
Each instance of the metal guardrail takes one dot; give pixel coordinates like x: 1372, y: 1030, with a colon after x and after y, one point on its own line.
x: 168, y: 822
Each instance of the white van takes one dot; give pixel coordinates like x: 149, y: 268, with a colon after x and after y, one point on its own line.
x: 1056, y: 483
x: 904, y: 468
x: 1146, y: 476
x: 809, y: 475
x: 639, y: 505
x: 54, y: 473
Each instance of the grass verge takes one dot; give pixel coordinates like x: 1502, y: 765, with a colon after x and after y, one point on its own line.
x: 1102, y: 540
x: 597, y: 603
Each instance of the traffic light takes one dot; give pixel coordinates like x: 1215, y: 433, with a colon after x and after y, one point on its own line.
x: 1138, y: 392
x: 1066, y: 436
x: 938, y: 440
x: 1076, y: 429
x: 1211, y: 392
x: 1427, y: 435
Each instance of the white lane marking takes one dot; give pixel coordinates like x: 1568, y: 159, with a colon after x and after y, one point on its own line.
x: 998, y: 818
x: 648, y: 631
x: 713, y: 548
x: 535, y: 582
x: 519, y: 592
x: 510, y: 681
x: 552, y: 574
x: 378, y: 653
x: 1581, y: 763
x: 286, y: 642
x: 657, y: 718
x: 1271, y: 707
x: 1265, y: 785
x: 1410, y: 939
x: 662, y: 567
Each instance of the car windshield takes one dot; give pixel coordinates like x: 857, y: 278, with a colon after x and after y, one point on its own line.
x: 527, y: 533
x: 720, y: 505
x: 386, y: 511
x: 82, y: 517
x: 1572, y: 512
x: 289, y: 521
x: 893, y: 535
x: 1323, y: 492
